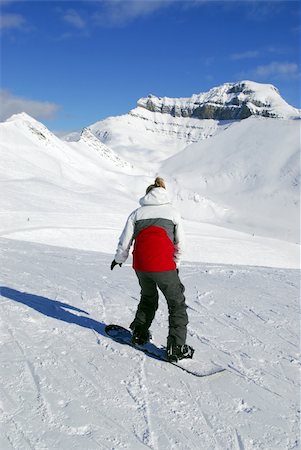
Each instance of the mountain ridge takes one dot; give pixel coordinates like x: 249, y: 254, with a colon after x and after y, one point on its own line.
x: 182, y: 117
x: 229, y: 101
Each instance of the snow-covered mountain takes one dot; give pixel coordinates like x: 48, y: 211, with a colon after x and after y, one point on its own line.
x: 230, y: 101
x: 46, y: 181
x: 160, y: 127
x: 29, y: 150
x: 226, y: 171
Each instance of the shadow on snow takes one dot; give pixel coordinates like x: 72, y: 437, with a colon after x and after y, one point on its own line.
x: 53, y: 308
x: 63, y: 311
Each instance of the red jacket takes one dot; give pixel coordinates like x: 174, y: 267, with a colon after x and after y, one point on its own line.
x: 155, y: 228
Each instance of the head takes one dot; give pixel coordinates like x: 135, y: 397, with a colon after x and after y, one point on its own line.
x: 159, y: 182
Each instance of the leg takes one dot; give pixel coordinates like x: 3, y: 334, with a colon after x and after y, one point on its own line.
x: 173, y: 290
x: 148, y: 302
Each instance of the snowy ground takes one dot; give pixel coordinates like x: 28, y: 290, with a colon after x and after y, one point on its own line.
x: 64, y: 384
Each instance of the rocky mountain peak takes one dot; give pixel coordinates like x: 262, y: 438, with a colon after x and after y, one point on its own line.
x: 230, y: 101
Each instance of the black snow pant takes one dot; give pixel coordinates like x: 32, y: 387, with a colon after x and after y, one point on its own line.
x: 173, y: 290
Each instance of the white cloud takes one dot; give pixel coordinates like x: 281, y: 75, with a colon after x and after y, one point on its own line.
x: 245, y: 55
x: 278, y: 50
x: 8, y: 21
x: 266, y: 51
x: 271, y: 72
x: 7, y: 2
x: 73, y: 18
x: 121, y: 12
x: 11, y: 104
x: 276, y: 69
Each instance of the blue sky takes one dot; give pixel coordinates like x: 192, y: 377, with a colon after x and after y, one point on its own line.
x: 70, y: 64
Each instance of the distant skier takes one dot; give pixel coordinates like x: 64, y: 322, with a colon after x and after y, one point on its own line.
x: 157, y: 233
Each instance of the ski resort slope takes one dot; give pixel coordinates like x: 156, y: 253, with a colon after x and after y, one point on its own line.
x: 64, y: 384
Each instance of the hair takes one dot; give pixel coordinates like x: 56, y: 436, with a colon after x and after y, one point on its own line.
x: 159, y: 182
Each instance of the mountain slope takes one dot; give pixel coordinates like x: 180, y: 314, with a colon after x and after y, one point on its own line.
x: 29, y: 151
x: 144, y: 136
x: 248, y: 176
x: 45, y: 182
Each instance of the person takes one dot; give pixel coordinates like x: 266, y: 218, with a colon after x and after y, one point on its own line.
x: 156, y: 230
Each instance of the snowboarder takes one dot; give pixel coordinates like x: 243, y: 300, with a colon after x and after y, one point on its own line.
x: 156, y: 230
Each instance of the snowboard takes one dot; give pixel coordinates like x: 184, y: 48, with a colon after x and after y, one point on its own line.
x: 192, y: 366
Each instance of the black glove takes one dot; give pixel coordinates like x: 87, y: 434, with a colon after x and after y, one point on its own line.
x: 114, y: 263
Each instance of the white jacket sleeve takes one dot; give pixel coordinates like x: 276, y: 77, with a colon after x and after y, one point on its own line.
x: 125, y: 240
x: 179, y: 240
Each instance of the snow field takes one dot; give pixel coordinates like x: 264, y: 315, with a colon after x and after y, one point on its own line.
x: 64, y: 384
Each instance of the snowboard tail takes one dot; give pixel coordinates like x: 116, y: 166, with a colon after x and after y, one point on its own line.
x: 191, y: 366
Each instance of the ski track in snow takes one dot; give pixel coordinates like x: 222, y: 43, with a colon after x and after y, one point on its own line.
x: 64, y: 384
x: 138, y: 391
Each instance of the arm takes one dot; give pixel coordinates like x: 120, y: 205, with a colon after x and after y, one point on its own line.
x: 125, y: 240
x: 179, y: 241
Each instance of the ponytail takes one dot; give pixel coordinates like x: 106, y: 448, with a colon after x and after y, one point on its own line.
x: 159, y: 182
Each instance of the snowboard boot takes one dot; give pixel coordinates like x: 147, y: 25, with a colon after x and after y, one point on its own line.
x: 140, y: 335
x: 177, y: 352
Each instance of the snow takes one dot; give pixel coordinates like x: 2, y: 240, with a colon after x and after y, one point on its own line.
x: 64, y: 383
x: 248, y: 176
x: 139, y: 134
